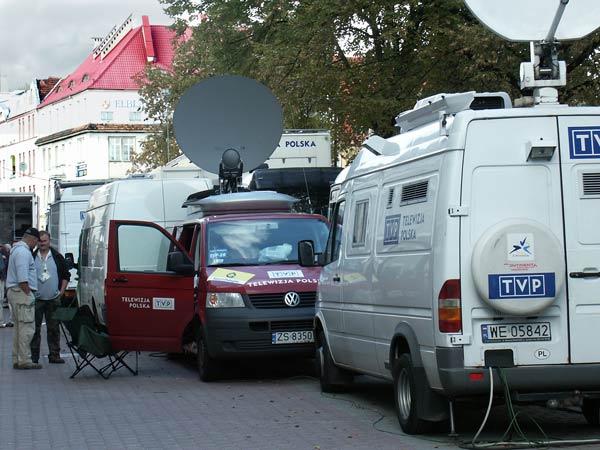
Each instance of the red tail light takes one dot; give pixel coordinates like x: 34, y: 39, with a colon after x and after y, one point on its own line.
x: 449, y: 313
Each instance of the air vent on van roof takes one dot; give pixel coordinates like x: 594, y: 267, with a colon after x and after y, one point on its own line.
x: 591, y: 184
x: 390, y: 198
x: 415, y: 192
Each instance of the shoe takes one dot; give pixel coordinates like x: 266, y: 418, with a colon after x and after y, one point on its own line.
x: 15, y: 366
x: 3, y: 325
x: 29, y: 365
x: 10, y: 324
x: 56, y: 360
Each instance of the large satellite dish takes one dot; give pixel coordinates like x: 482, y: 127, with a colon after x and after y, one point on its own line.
x: 226, y: 113
x: 530, y: 20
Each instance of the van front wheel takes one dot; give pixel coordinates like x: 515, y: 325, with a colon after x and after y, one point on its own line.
x: 208, y: 368
x: 591, y: 410
x: 406, y: 396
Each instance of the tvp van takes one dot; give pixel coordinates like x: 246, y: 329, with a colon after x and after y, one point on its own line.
x: 466, y: 246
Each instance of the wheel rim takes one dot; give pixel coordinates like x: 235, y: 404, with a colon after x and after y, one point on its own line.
x: 403, y: 394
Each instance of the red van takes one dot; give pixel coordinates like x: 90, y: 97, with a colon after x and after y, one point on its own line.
x: 224, y: 286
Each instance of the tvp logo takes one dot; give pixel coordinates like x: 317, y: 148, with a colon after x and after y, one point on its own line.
x: 584, y: 142
x: 534, y: 285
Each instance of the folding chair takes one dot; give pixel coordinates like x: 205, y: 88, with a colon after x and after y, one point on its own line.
x: 89, y: 343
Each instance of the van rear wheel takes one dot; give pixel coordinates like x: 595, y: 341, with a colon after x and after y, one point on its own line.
x: 331, y: 377
x: 591, y: 410
x: 406, y: 396
x: 209, y: 368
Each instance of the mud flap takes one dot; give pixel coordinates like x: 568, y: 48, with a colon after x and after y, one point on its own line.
x: 431, y: 406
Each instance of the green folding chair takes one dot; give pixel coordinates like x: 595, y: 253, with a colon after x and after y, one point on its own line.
x: 89, y: 343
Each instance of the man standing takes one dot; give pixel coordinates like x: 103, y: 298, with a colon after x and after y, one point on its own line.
x: 21, y: 281
x: 53, y: 277
x: 4, y: 254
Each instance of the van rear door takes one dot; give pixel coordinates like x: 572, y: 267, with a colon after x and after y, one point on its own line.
x: 580, y: 161
x: 148, y: 304
x: 505, y: 190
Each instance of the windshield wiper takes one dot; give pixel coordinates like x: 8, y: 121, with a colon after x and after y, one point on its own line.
x: 233, y: 264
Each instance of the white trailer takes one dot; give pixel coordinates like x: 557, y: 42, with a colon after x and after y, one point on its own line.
x: 18, y: 211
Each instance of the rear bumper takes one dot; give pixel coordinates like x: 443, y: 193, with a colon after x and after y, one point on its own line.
x: 234, y: 333
x: 527, y: 379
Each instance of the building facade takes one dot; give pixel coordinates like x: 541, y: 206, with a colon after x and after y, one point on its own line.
x: 87, y: 125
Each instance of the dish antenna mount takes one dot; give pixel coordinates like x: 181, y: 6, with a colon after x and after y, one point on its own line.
x: 226, y: 123
x: 538, y: 22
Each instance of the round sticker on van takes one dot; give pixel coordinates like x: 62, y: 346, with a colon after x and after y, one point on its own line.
x: 542, y: 353
x: 518, y: 266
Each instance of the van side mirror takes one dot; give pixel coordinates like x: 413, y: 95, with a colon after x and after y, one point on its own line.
x: 178, y: 263
x: 70, y: 261
x: 306, y: 253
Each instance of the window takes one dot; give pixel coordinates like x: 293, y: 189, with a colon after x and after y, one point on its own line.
x: 71, y: 84
x: 142, y: 249
x: 120, y: 148
x: 335, y: 234
x: 85, y: 77
x: 359, y: 232
x: 261, y: 241
x: 135, y: 116
x: 106, y: 116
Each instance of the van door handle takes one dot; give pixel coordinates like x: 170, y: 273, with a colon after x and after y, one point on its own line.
x: 120, y: 280
x: 336, y: 279
x: 584, y: 274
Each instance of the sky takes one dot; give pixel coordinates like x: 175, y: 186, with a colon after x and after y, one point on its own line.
x: 44, y: 38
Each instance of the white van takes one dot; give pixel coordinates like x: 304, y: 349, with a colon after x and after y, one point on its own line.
x: 468, y: 242
x: 141, y: 199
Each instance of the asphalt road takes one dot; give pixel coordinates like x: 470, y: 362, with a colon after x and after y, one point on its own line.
x: 259, y: 405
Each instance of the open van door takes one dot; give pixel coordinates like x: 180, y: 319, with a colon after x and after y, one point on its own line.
x: 149, y: 288
x: 580, y: 163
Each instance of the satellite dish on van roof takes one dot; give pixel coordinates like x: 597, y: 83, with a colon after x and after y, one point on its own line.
x: 228, y: 114
x: 530, y: 20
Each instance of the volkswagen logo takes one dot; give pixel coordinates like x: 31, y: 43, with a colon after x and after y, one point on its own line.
x: 291, y: 299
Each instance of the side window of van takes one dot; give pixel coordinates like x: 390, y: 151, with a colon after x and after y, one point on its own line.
x: 142, y: 249
x: 359, y: 232
x: 335, y: 235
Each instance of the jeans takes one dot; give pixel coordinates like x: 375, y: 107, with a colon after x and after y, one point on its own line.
x: 46, y: 308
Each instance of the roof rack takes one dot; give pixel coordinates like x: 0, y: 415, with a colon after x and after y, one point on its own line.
x: 430, y: 109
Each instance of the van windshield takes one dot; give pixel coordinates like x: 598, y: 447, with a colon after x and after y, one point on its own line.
x: 261, y: 241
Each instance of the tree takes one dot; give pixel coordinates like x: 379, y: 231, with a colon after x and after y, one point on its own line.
x: 351, y: 65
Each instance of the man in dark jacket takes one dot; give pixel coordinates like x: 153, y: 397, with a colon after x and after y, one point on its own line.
x: 53, y: 277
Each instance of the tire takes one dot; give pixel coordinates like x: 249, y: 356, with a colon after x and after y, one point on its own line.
x: 406, y: 397
x: 209, y: 368
x: 332, y: 378
x: 591, y: 410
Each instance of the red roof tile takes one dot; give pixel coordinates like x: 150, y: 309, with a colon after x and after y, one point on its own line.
x: 119, y: 66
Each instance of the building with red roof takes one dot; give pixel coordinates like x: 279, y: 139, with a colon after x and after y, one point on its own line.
x: 87, y: 124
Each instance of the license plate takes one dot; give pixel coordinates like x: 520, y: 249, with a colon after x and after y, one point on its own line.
x: 516, y: 332
x: 292, y: 337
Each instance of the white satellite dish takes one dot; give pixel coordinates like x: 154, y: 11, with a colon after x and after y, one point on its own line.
x: 221, y: 116
x: 530, y: 20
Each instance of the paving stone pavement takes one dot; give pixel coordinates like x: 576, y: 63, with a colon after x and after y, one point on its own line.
x: 256, y: 407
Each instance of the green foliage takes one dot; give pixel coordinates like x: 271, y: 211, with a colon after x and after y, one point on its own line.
x: 347, y: 65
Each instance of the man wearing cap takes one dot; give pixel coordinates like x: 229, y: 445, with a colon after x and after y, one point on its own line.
x: 21, y: 282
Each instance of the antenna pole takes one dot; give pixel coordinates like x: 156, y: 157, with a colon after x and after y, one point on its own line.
x: 556, y: 21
